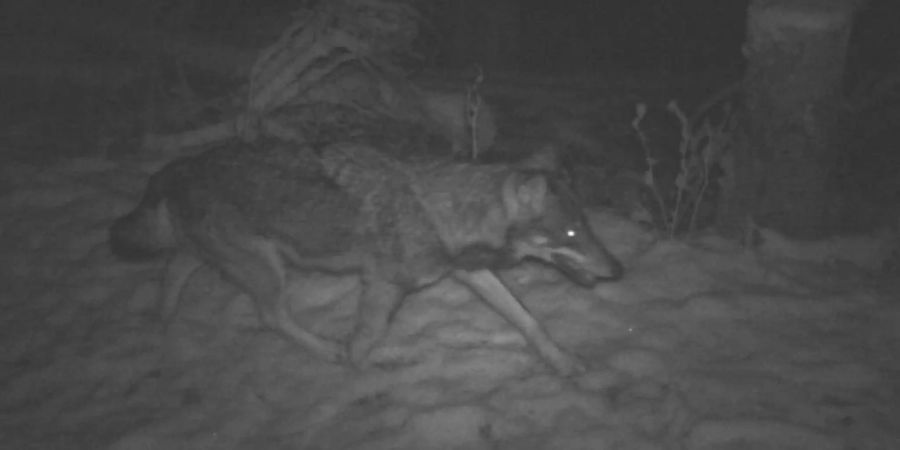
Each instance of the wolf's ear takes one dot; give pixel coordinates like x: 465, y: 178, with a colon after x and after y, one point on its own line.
x: 524, y: 195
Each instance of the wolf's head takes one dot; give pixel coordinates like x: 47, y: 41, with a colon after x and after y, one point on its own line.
x: 550, y: 226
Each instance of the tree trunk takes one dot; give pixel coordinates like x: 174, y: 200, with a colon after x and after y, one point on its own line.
x: 795, y: 52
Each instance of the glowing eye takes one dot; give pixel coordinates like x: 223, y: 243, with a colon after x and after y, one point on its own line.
x: 570, y: 233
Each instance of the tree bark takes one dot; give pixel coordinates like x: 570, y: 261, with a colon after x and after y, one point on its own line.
x: 795, y: 51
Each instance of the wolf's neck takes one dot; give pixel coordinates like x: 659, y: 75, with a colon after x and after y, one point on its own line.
x: 465, y: 206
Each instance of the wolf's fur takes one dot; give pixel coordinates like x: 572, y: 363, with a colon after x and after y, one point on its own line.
x: 256, y: 212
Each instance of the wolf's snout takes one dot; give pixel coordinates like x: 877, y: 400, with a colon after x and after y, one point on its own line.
x: 586, y: 269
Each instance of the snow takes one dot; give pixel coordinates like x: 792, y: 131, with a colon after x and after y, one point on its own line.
x: 704, y: 345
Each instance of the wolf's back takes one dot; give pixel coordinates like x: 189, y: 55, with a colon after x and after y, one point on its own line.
x: 238, y: 192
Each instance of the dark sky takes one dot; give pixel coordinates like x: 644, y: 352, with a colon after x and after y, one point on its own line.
x: 675, y: 35
x: 635, y: 32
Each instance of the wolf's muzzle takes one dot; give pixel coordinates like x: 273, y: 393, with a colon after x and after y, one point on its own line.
x: 586, y: 270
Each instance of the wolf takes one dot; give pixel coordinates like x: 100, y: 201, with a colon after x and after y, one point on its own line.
x: 257, y: 213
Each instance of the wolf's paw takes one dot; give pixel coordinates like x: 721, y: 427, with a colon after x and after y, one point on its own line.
x: 360, y: 347
x: 338, y: 355
x: 331, y: 352
x: 359, y: 353
x: 565, y: 364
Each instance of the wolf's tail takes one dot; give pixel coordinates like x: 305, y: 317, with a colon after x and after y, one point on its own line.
x: 146, y: 232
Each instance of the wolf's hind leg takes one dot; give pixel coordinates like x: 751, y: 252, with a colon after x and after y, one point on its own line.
x: 255, y: 265
x: 178, y: 271
x: 377, y: 304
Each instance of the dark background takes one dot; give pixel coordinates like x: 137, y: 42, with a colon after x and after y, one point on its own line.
x: 674, y: 36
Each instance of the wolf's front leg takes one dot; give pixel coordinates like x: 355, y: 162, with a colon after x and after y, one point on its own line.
x: 178, y: 271
x: 377, y: 304
x: 496, y: 294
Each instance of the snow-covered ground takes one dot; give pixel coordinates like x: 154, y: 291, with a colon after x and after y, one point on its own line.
x: 702, y: 346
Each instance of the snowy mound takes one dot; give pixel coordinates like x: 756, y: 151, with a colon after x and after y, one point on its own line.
x: 701, y: 346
